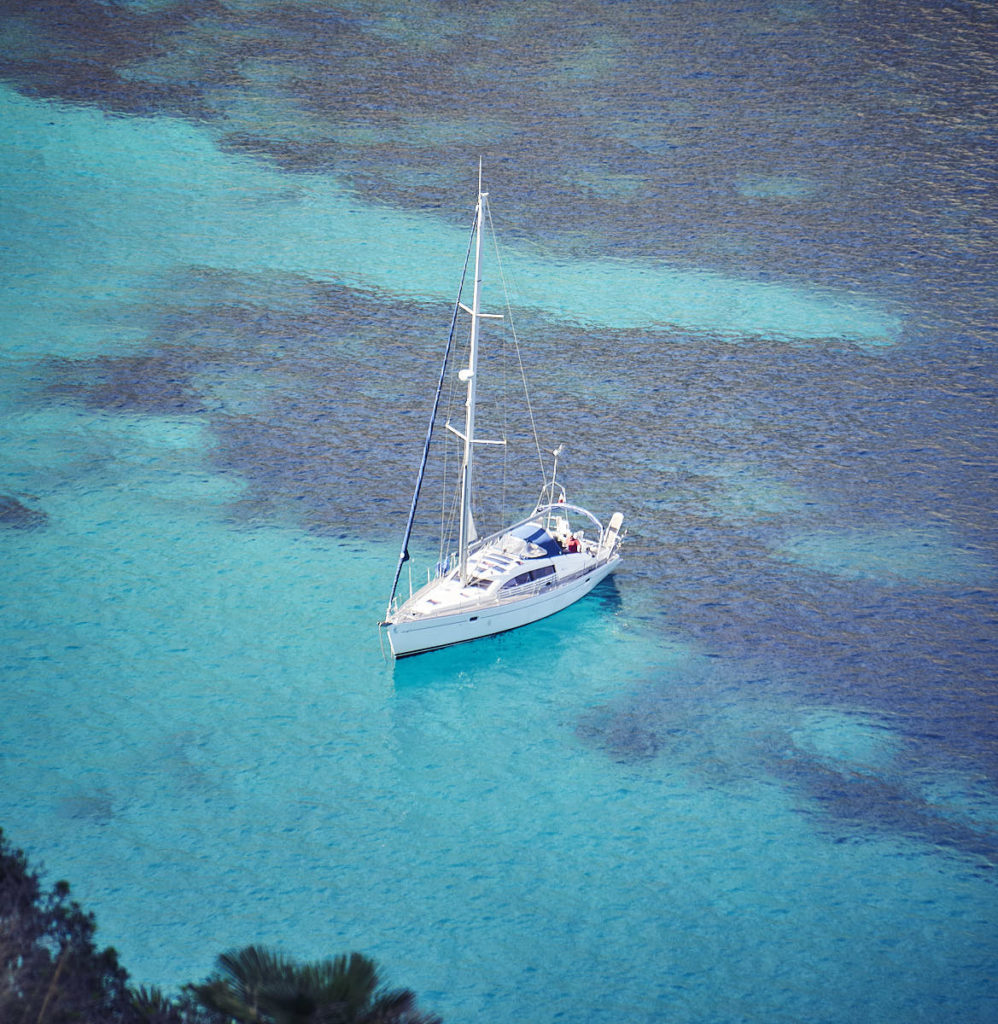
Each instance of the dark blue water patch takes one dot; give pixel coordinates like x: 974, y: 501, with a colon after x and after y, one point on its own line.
x: 95, y: 806
x: 922, y: 654
x: 304, y: 387
x: 78, y: 51
x: 849, y: 805
x: 16, y: 515
x: 157, y: 383
x: 859, y: 434
x: 730, y: 727
x: 629, y: 735
x: 849, y: 147
x: 309, y: 390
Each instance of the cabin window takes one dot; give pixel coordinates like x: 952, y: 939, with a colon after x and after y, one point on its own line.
x: 517, y: 581
x: 528, y: 577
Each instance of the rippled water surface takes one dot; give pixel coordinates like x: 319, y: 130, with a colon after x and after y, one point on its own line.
x: 751, y: 778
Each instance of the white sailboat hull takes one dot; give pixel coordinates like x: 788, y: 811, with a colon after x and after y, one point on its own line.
x: 474, y: 621
x: 530, y: 570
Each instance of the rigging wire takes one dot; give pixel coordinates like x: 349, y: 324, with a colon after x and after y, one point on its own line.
x: 448, y: 517
x: 516, y: 343
x: 404, y: 553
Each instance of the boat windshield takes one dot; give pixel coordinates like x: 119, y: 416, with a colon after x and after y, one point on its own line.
x: 536, y: 541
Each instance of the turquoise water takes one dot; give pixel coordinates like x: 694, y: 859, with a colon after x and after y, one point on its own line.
x: 754, y: 777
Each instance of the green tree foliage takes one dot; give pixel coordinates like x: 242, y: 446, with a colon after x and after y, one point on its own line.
x: 256, y: 986
x: 50, y: 969
x: 151, y: 1006
x: 51, y: 972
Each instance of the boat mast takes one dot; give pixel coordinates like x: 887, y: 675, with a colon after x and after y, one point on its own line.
x: 466, y: 527
x: 404, y: 553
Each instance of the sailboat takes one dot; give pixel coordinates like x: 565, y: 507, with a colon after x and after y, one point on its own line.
x: 537, y: 566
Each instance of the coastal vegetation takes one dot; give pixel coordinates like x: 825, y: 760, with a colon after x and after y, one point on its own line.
x: 53, y: 972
